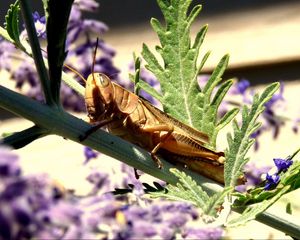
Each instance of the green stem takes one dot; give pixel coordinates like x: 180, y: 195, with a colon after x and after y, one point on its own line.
x: 294, y: 154
x: 36, y: 52
x: 21, y: 139
x: 283, y: 223
x: 63, y: 124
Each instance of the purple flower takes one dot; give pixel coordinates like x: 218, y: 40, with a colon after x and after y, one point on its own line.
x: 26, y: 73
x: 203, y: 233
x: 240, y: 87
x: 272, y: 181
x: 159, y: 220
x: 6, y: 50
x: 89, y: 154
x: 40, y: 26
x: 100, y: 181
x: 87, y: 5
x: 78, y: 40
x: 282, y: 164
x: 253, y: 175
x: 9, y: 164
x: 33, y: 207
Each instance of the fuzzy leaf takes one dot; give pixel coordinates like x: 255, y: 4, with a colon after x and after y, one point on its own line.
x: 136, y: 77
x: 182, y: 97
x: 215, y: 78
x: 251, y: 212
x: 215, y: 202
x: 146, y: 87
x: 228, y: 117
x: 12, y: 23
x: 240, y: 143
x: 186, y: 190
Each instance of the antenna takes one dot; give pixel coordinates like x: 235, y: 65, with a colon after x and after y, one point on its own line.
x: 76, y: 72
x: 94, y: 58
x: 71, y: 69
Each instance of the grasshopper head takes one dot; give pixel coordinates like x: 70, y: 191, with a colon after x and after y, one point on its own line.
x: 98, y: 95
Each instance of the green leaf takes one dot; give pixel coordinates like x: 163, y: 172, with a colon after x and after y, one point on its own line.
x: 146, y: 87
x: 178, y: 76
x: 12, y: 24
x: 258, y: 199
x: 240, y: 142
x: 58, y: 15
x: 215, y: 202
x: 227, y: 117
x: 288, y: 208
x: 215, y: 78
x: 186, y: 190
x: 251, y: 212
x: 136, y: 77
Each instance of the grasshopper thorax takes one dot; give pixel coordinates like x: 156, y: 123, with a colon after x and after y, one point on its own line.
x: 98, y: 95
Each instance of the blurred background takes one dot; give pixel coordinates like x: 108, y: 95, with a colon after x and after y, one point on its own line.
x: 262, y: 38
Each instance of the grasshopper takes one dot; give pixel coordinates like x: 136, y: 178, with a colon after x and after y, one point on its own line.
x: 136, y: 120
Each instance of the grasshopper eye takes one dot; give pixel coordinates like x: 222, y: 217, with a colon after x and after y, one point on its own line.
x: 104, y: 81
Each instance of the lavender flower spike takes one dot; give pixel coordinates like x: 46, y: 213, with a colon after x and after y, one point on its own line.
x: 272, y: 181
x: 282, y: 164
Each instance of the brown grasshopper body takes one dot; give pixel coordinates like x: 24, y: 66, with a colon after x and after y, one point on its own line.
x: 134, y: 119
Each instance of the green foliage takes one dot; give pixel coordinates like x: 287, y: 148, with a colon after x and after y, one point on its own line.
x: 181, y: 95
x: 187, y: 190
x: 252, y: 211
x: 12, y: 23
x: 136, y: 76
x: 258, y: 200
x: 241, y: 141
x: 57, y: 20
x: 288, y: 180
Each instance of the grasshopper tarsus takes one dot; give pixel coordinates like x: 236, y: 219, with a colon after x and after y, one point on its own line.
x: 156, y: 160
x: 94, y: 128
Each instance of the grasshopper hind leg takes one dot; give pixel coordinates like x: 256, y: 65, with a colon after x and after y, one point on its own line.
x: 161, y: 127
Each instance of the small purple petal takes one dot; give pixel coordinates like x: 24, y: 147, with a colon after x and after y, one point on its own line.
x: 87, y: 5
x: 89, y: 154
x: 203, y: 233
x: 176, y: 221
x: 143, y: 230
x: 272, y: 181
x: 240, y: 87
x: 13, y: 190
x: 94, y: 26
x: 282, y: 164
x: 22, y: 216
x: 5, y: 229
